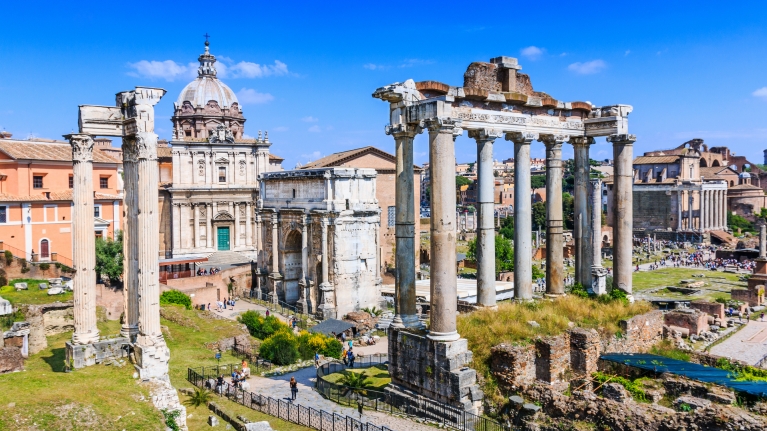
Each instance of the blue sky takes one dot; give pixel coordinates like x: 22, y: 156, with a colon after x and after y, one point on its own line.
x: 305, y: 71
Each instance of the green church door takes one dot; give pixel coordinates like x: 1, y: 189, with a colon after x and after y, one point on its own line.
x: 223, y: 238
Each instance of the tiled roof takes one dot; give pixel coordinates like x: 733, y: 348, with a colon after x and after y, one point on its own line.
x: 650, y: 160
x: 163, y: 152
x: 337, y: 159
x: 275, y: 157
x: 32, y: 150
x: 745, y: 187
x: 716, y: 170
x: 55, y: 196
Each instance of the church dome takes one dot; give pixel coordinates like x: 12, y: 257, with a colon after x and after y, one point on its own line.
x: 207, y: 87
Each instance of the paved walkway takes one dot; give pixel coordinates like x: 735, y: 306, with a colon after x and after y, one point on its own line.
x: 278, y: 387
x: 748, y: 345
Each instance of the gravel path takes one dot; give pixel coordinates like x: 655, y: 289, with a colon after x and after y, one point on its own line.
x: 748, y: 345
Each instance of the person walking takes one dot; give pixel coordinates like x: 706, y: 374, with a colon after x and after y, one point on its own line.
x: 761, y: 317
x: 293, y: 388
x: 345, y: 356
x: 316, y: 359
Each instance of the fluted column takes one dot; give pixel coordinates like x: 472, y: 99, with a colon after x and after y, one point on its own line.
x: 623, y: 150
x: 275, y: 274
x: 555, y: 269
x: 724, y: 209
x: 130, y: 247
x: 84, y: 241
x: 302, y: 305
x: 196, y: 227
x: 209, y: 225
x: 679, y: 200
x: 702, y: 213
x: 404, y: 214
x: 596, y: 222
x: 486, y: 207
x: 176, y: 208
x: 444, y: 290
x: 523, y: 229
x: 248, y: 225
x: 327, y: 306
x: 581, y: 218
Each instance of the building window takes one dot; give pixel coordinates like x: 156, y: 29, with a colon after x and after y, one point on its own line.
x: 3, y: 214
x: 221, y: 174
x: 37, y: 181
x: 104, y: 182
x: 188, y: 132
x: 71, y: 181
x: 97, y: 210
x: 391, y: 219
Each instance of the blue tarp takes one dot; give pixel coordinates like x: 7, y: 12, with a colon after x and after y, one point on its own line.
x: 697, y: 372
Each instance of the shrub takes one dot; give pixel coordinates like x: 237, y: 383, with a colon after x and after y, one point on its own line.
x: 281, y: 348
x: 311, y: 343
x: 8, y: 257
x: 176, y: 297
x: 578, y: 290
x: 45, y: 266
x: 259, y: 326
x: 23, y: 263
x: 3, y: 278
x: 24, y: 269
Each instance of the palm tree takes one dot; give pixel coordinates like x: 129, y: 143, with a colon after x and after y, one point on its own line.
x: 200, y: 397
x: 355, y: 382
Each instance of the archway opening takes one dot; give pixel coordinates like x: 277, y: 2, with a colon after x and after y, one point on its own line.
x: 703, y: 163
x: 715, y: 163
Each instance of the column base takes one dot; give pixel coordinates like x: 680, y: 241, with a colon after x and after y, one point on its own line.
x: 325, y: 312
x: 443, y: 336
x: 302, y: 306
x: 151, y: 358
x: 407, y: 321
x: 83, y: 338
x: 599, y: 280
x: 129, y: 332
x: 84, y: 355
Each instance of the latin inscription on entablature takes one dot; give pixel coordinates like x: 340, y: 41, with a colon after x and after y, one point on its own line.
x: 493, y: 117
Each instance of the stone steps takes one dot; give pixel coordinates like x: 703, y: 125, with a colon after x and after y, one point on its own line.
x: 221, y: 258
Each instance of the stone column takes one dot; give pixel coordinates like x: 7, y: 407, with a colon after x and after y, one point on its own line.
x: 598, y: 273
x: 177, y: 226
x: 83, y: 241
x: 209, y: 225
x: 523, y: 230
x: 702, y: 212
x: 196, y: 226
x: 275, y: 275
x: 555, y: 268
x: 724, y: 209
x: 327, y: 307
x: 236, y: 231
x: 404, y: 213
x: 248, y: 225
x: 623, y: 206
x: 302, y: 306
x: 679, y: 199
x: 486, y: 207
x: 130, y: 248
x: 444, y: 290
x: 582, y: 231
x: 690, y: 218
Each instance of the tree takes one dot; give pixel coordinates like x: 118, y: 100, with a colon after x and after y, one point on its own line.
x: 355, y: 382
x: 281, y: 348
x: 507, y: 228
x: 539, y: 215
x: 176, y: 297
x: 109, y: 257
x: 568, y: 210
x: 461, y: 181
x: 538, y: 181
x: 504, y: 254
x: 471, y: 167
x: 200, y: 397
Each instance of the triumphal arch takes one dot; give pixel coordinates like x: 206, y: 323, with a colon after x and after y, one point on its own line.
x: 495, y: 101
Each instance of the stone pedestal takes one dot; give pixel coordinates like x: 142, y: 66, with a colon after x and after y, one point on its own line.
x: 152, y: 361
x: 84, y: 355
x: 598, y: 280
x: 437, y: 370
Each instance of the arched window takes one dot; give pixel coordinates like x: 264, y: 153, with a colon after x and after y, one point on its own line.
x: 715, y: 164
x: 45, y: 251
x: 703, y: 163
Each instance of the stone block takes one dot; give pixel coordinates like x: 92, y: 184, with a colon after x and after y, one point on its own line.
x: 615, y: 392
x: 10, y: 360
x: 212, y: 421
x: 21, y: 286
x: 695, y: 403
x: 584, y: 351
x: 693, y: 320
x: 712, y: 308
x: 513, y: 366
x: 43, y: 286
x: 80, y: 356
x: 721, y: 396
x: 258, y: 426
x: 553, y: 360
x: 5, y: 307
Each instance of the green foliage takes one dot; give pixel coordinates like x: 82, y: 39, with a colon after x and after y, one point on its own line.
x: 538, y: 181
x: 578, y: 290
x: 538, y: 272
x: 507, y: 228
x: 311, y: 343
x: 743, y: 373
x: 539, y: 215
x: 45, y: 266
x: 737, y: 222
x: 375, y: 312
x: 200, y: 397
x: 667, y: 349
x: 281, y: 348
x: 109, y: 257
x: 259, y: 326
x: 618, y: 294
x: 568, y: 210
x: 356, y: 382
x: 633, y: 387
x: 170, y: 419
x: 684, y: 407
x: 461, y: 181
x: 176, y: 297
x: 3, y: 278
x: 504, y: 254
x: 23, y: 263
x: 8, y: 257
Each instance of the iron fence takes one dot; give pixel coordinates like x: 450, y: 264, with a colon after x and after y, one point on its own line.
x: 254, y: 358
x: 394, y: 403
x: 303, y: 320
x: 288, y: 411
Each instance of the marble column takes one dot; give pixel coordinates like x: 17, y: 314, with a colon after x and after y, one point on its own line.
x: 724, y: 210
x: 523, y: 229
x: 581, y: 217
x: 555, y: 267
x: 762, y: 241
x: 679, y: 200
x: 130, y: 247
x: 623, y: 206
x: 406, y: 314
x: 177, y: 226
x: 83, y: 241
x: 702, y: 214
x: 302, y: 306
x: 327, y: 306
x: 275, y: 275
x: 444, y: 289
x: 486, y: 207
x: 248, y: 226
x: 598, y: 273
x: 209, y: 225
x: 196, y: 227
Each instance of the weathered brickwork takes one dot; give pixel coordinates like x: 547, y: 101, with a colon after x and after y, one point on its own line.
x: 653, y: 210
x: 638, y: 334
x: 553, y: 360
x: 584, y: 351
x: 711, y: 308
x: 694, y: 321
x: 513, y: 366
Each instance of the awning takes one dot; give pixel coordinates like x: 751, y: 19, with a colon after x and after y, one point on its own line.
x: 329, y: 326
x: 181, y: 260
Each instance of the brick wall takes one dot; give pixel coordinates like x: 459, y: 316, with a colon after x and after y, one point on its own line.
x: 638, y: 334
x: 712, y: 308
x: 693, y: 320
x: 553, y: 360
x: 584, y: 351
x: 513, y: 366
x: 654, y: 210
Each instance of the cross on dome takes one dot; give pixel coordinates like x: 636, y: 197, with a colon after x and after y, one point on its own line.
x: 206, y: 61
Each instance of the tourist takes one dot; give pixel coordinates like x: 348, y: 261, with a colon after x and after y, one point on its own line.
x: 351, y: 359
x: 267, y: 312
x: 345, y: 355
x: 761, y: 316
x: 316, y: 359
x: 208, y: 306
x: 350, y: 344
x: 293, y: 388
x: 343, y: 337
x: 220, y: 384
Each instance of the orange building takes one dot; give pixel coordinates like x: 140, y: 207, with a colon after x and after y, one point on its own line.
x: 36, y: 197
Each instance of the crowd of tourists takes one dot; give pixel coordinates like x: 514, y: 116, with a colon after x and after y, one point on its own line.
x: 205, y: 271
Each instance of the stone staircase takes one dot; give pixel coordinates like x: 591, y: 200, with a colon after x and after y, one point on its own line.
x: 724, y: 237
x: 222, y: 258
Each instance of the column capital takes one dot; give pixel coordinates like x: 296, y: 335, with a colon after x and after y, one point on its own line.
x: 485, y: 134
x: 624, y: 139
x: 403, y: 130
x: 550, y: 140
x: 524, y: 138
x: 82, y: 147
x: 577, y: 141
x: 443, y: 125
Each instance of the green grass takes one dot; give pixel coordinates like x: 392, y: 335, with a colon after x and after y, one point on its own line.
x: 717, y: 284
x: 377, y: 376
x: 32, y: 296
x: 667, y: 349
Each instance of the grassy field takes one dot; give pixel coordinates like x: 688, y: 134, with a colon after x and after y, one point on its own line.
x: 33, y: 295
x: 377, y: 377
x: 717, y: 284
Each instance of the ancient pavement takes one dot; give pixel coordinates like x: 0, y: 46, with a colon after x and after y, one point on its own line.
x: 748, y: 345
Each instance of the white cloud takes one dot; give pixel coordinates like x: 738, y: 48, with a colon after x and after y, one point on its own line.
x: 761, y: 93
x: 247, y: 69
x: 310, y: 119
x: 587, y: 68
x: 313, y: 156
x: 280, y: 129
x: 249, y: 96
x: 246, y: 136
x: 168, y: 70
x: 532, y: 52
x: 315, y: 129
x: 415, y: 62
x: 372, y: 66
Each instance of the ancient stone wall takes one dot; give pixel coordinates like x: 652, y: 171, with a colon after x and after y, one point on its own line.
x: 513, y: 365
x: 693, y: 320
x: 552, y: 361
x: 712, y: 308
x: 638, y: 334
x: 654, y: 210
x: 584, y: 351
x: 46, y: 320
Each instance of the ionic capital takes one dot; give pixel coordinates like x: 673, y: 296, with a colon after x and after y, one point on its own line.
x: 443, y: 125
x: 403, y: 130
x: 625, y: 139
x: 485, y: 134
x: 578, y: 141
x: 82, y: 147
x: 524, y: 138
x: 552, y: 140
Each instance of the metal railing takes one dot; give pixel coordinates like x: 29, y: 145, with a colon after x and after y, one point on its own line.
x: 226, y: 370
x: 304, y: 321
x: 21, y: 254
x: 254, y: 358
x: 288, y: 411
x: 393, y: 403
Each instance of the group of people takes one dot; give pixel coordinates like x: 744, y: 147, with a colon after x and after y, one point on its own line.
x: 206, y: 271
